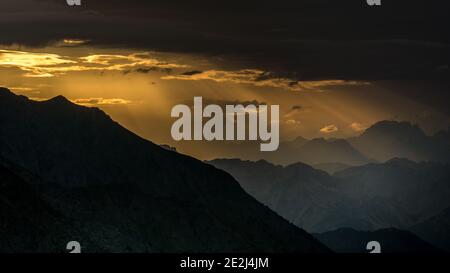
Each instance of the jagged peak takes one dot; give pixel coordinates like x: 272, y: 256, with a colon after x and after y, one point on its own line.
x: 400, y: 161
x: 300, y: 165
x: 59, y: 100
x: 391, y: 125
x: 5, y: 92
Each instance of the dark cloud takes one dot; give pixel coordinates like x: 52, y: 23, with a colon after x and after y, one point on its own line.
x: 304, y: 39
x: 435, y: 94
x: 223, y: 103
x: 191, y: 73
x: 146, y: 70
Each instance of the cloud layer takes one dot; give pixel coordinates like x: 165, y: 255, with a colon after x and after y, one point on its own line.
x: 260, y: 78
x: 50, y: 65
x: 309, y: 39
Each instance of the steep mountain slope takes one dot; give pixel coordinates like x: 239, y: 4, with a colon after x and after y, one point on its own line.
x: 129, y: 194
x: 379, y: 143
x: 347, y: 240
x: 27, y: 222
x: 435, y: 230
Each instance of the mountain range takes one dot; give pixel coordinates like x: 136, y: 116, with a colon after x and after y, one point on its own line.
x: 70, y: 172
x: 379, y: 143
x: 317, y: 151
x: 398, y: 193
x: 389, y: 139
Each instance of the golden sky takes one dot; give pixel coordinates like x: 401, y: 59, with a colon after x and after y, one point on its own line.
x: 138, y: 89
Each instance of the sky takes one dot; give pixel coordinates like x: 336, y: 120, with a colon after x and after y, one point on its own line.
x: 334, y: 68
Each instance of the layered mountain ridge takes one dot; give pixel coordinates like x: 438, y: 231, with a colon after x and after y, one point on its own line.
x: 399, y: 193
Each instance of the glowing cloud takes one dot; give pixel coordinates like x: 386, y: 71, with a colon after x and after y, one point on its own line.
x: 50, y: 65
x: 329, y: 129
x: 101, y: 101
x: 35, y: 64
x: 358, y: 127
x: 293, y: 122
x: 259, y: 78
x: 73, y: 42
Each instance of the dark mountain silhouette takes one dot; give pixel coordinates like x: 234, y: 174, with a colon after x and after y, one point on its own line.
x: 390, y: 139
x: 316, y: 151
x: 347, y: 240
x: 435, y: 230
x: 168, y: 147
x: 307, y: 197
x: 398, y: 193
x: 332, y: 167
x: 26, y: 219
x: 443, y: 136
x: 251, y: 175
x: 420, y: 189
x: 442, y: 140
x: 381, y: 142
x: 28, y: 223
x: 127, y: 193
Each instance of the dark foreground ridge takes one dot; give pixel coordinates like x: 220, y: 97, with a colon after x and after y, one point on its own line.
x: 71, y: 173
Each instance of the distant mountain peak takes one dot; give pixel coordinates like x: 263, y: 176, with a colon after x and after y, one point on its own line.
x: 62, y: 102
x: 59, y: 99
x: 4, y: 90
x: 6, y: 93
x: 300, y: 139
x: 400, y: 161
x: 394, y: 127
x: 388, y: 139
x: 300, y: 166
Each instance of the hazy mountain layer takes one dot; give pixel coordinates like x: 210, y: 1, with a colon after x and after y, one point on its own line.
x: 381, y: 142
x: 398, y: 193
x: 389, y: 139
